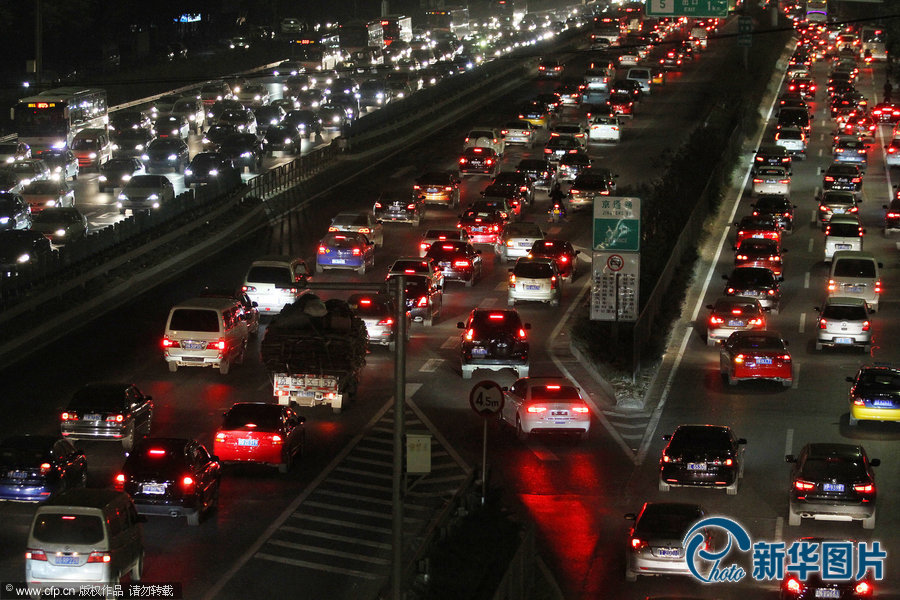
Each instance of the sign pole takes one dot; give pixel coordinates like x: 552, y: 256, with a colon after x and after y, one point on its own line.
x: 484, y: 463
x: 399, y: 425
x: 486, y: 399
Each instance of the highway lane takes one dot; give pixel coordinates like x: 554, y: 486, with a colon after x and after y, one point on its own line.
x: 544, y: 477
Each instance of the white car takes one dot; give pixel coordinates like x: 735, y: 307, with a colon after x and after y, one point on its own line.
x: 892, y: 153
x: 517, y: 239
x: 273, y: 281
x: 485, y: 137
x: 534, y: 279
x: 643, y: 76
x: 793, y: 140
x: 605, y: 128
x: 772, y: 180
x: 253, y: 94
x: 519, y: 132
x: 575, y: 131
x: 546, y: 405
x: 843, y: 232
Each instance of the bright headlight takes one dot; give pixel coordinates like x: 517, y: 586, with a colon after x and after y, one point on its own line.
x: 139, y: 147
x: 172, y: 157
x: 51, y: 203
x: 213, y: 172
x: 4, y: 220
x: 23, y: 258
x: 60, y: 232
x: 246, y: 154
x: 153, y: 197
x: 93, y: 155
x: 287, y: 140
x: 123, y: 197
x: 126, y: 177
x: 156, y: 205
x: 145, y: 157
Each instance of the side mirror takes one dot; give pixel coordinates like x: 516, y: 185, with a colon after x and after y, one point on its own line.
x: 742, y: 441
x: 874, y: 462
x: 790, y: 458
x: 460, y: 325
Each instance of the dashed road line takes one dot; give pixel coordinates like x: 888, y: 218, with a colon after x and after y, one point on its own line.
x: 806, y: 280
x: 451, y: 343
x: 431, y: 365
x: 802, y: 322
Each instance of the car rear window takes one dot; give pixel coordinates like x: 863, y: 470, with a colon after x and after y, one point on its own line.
x: 554, y: 392
x: 854, y: 267
x: 761, y: 342
x: 845, y: 313
x: 700, y: 437
x: 61, y: 528
x: 666, y: 522
x: 832, y: 468
x: 742, y: 309
x: 881, y: 378
x: 445, y: 251
x: 194, y: 319
x: 753, y: 276
x: 486, y: 321
x: 843, y: 230
x: 533, y: 270
x: 279, y: 276
x: 98, y: 398
x: 22, y: 457
x: 266, y: 417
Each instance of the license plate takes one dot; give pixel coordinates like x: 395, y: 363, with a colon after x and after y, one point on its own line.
x: 842, y: 246
x: 248, y: 442
x: 838, y: 211
x: 759, y: 236
x: 444, y: 265
x: 735, y: 323
x: 525, y: 244
x: 479, y: 351
x: 855, y: 289
x: 153, y: 488
x: 843, y: 340
x: 763, y: 361
x: 92, y: 417
x: 696, y: 466
x: 771, y: 181
x: 532, y: 288
x: 833, y: 487
x: 338, y: 261
x: 668, y: 552
x: 750, y: 293
x: 559, y: 413
x: 828, y: 593
x: 66, y: 560
x: 17, y: 474
x: 433, y: 190
x: 883, y: 403
x: 188, y: 345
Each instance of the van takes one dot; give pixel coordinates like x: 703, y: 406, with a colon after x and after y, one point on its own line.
x: 273, y: 281
x: 642, y: 76
x: 843, y: 232
x: 206, y: 332
x: 857, y: 275
x: 92, y: 148
x: 84, y: 536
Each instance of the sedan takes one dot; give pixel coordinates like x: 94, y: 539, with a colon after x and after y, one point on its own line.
x: 286, y: 139
x: 777, y: 208
x: 440, y: 235
x: 399, y: 207
x: 48, y: 193
x: 844, y: 322
x: 479, y: 160
x: 843, y: 177
x: 535, y: 405
x: 145, y: 192
x: 588, y: 185
x: 62, y: 163
x: 620, y: 105
x: 208, y: 167
x: 379, y: 313
x: 262, y: 433
x: 772, y: 180
x: 34, y: 467
x: 359, y: 222
x: 875, y: 394
x: 836, y: 203
x: 482, y: 226
x: 438, y: 187
x: 541, y: 171
x: 572, y: 165
x: 108, y: 411
x: 733, y: 313
x: 851, y: 151
x: 815, y: 586
x: 702, y: 456
x: 534, y: 279
x: 517, y: 239
x: 656, y: 540
x: 605, y: 128
x: 519, y: 132
x: 458, y: 260
x: 20, y: 248
x: 216, y: 134
x: 345, y: 251
x: 556, y: 147
x: 116, y: 172
x: 760, y: 253
x: 131, y: 142
x: 244, y: 150
x: 172, y: 126
x: 748, y: 355
x: 164, y: 154
x: 60, y: 225
x: 307, y: 122
x: 757, y: 227
x: 171, y: 477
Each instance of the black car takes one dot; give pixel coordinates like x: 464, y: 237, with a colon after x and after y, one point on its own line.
x: 172, y: 126
x: 778, y: 208
x: 875, y: 394
x: 832, y: 482
x: 108, y: 411
x: 892, y: 216
x: 374, y: 92
x: 517, y: 180
x: 220, y: 106
x: 459, y: 261
x: 15, y: 213
x: 703, y: 456
x: 243, y: 120
x: 283, y: 138
x: 843, y: 177
x: 60, y: 224
x: 307, y: 122
x: 21, y: 247
x: 814, y: 586
x: 167, y: 153
x: 116, y: 172
x: 268, y: 116
x: 514, y: 196
x: 755, y: 282
x: 494, y: 339
x: 629, y: 87
x: 244, y: 150
x: 216, y: 134
x: 541, y: 171
x: 772, y: 156
x: 333, y: 115
x: 424, y: 299
x: 130, y: 142
x: 34, y: 467
x: 793, y: 117
x: 207, y: 167
x: 122, y: 120
x: 479, y: 160
x: 402, y: 207
x: 171, y: 476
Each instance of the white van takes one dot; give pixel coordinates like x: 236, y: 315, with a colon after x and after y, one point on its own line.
x: 84, y: 536
x: 273, y: 281
x: 843, y: 232
x: 206, y: 332
x: 642, y: 76
x: 857, y: 275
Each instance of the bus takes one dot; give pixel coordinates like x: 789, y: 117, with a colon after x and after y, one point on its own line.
x: 395, y: 28
x: 52, y: 118
x: 314, y: 55
x: 454, y: 19
x: 816, y: 11
x: 356, y: 36
x: 872, y: 38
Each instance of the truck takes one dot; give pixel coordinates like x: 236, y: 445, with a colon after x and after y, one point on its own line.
x: 314, y: 352
x: 452, y: 19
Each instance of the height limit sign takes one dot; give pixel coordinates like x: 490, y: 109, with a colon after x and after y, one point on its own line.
x: 614, y: 286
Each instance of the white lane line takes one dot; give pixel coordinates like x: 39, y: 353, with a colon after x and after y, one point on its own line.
x: 821, y: 137
x: 796, y: 379
x: 489, y: 301
x: 809, y: 248
x: 401, y: 172
x: 802, y: 322
x: 820, y: 152
x: 806, y: 280
x: 813, y: 217
x: 431, y: 365
x: 451, y: 343
x: 715, y: 260
x: 789, y: 442
x: 779, y: 528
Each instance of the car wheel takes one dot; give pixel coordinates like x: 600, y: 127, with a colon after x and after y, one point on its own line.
x: 851, y: 421
x: 224, y: 366
x: 869, y: 523
x: 793, y: 518
x: 471, y: 281
x: 520, y: 433
x: 818, y: 346
x: 663, y: 486
x: 193, y: 518
x: 173, y: 367
x: 128, y: 439
x: 285, y: 466
x: 630, y: 576
x: 467, y: 372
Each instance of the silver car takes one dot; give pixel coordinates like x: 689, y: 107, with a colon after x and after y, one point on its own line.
x: 517, y: 239
x: 844, y: 322
x: 733, y: 313
x: 535, y: 279
x: 108, y: 411
x: 772, y: 180
x: 145, y: 192
x: 360, y: 222
x: 656, y: 541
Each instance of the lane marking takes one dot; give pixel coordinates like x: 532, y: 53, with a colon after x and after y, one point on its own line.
x: 809, y: 248
x: 779, y: 528
x: 502, y: 286
x: 806, y: 280
x: 489, y: 301
x: 820, y: 152
x: 431, y: 365
x: 789, y: 442
x: 314, y: 566
x: 451, y: 343
x: 813, y: 217
x: 796, y: 380
x: 802, y: 322
x: 402, y: 171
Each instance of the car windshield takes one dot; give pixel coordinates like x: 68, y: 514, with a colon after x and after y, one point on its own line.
x: 759, y: 342
x: 74, y: 529
x: 340, y: 241
x: 262, y: 417
x: 61, y: 216
x: 162, y: 458
x: 590, y: 181
x: 25, y: 451
x: 700, y: 437
x: 195, y: 319
x: 478, y: 133
x: 522, y: 229
x: 166, y: 145
x: 666, y: 521
x: 496, y: 321
x: 436, y: 178
x: 22, y: 167
x: 846, y: 170
x: 445, y: 234
x: 369, y: 306
x: 43, y: 186
x: 554, y: 392
x: 832, y: 468
x: 99, y: 398
x: 771, y: 172
x: 772, y: 203
x: 533, y: 270
x: 788, y: 134
x: 278, y: 276
x: 85, y: 144
x: 737, y: 309
x: 350, y: 221
x: 854, y: 267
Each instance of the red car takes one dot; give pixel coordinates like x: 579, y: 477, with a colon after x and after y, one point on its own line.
x: 258, y: 432
x: 482, y: 227
x: 861, y: 124
x: 561, y: 251
x: 886, y: 112
x: 757, y: 227
x: 619, y: 104
x: 759, y: 252
x: 755, y: 355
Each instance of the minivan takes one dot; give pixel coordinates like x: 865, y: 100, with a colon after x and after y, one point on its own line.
x: 206, y: 332
x: 273, y: 281
x: 857, y: 275
x: 642, y: 76
x: 794, y: 117
x: 92, y: 148
x: 89, y: 536
x: 843, y: 232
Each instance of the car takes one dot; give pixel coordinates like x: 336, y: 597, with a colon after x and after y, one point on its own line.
x: 287, y: 139
x: 345, y: 250
x: 792, y: 139
x: 755, y: 282
x: 892, y: 153
x: 359, y: 222
x: 843, y: 232
x: 172, y: 477
x: 132, y: 118
x: 27, y: 170
x: 92, y: 148
x: 861, y: 124
x: 539, y: 170
x: 214, y: 91
x: 833, y: 203
x: 209, y: 167
x: 268, y: 116
x: 561, y: 251
x: 671, y: 60
x: 851, y: 151
x: 832, y: 482
x: 192, y: 109
x: 130, y: 142
x: 166, y: 153
x: 628, y: 87
x: 275, y: 280
x: 334, y: 115
x: 60, y: 224
x: 243, y: 120
x: 605, y: 128
x: 771, y: 156
x: 760, y: 226
x: 620, y: 105
x: 260, y: 433
x: 588, y: 185
x: 483, y: 225
x: 763, y: 252
x: 535, y: 112
x: 777, y: 208
x: 517, y: 239
x: 793, y: 587
x: 253, y: 95
x: 145, y: 192
x: 62, y: 163
x: 20, y: 248
x: 642, y: 76
x: 805, y: 86
x: 551, y: 68
x: 571, y: 165
x: 237, y: 43
x: 545, y: 405
x: 844, y: 322
x: 753, y: 355
x: 48, y: 193
x: 495, y: 340
x: 733, y: 313
x: 440, y: 235
x: 512, y: 184
x: 245, y: 151
x: 656, y: 540
x: 400, y: 207
x: 479, y: 160
x: 857, y: 274
x: 424, y: 297
x: 575, y: 131
x: 172, y: 126
x: 843, y: 177
x: 794, y: 117
x: 379, y: 313
x: 108, y: 411
x: 425, y: 267
x: 374, y: 92
x: 307, y: 122
x: 772, y: 180
x: 485, y: 137
x: 892, y: 216
x: 874, y: 394
x: 458, y: 260
x: 35, y: 467
x: 519, y: 132
x: 886, y: 112
x: 220, y: 106
x: 11, y: 151
x: 162, y: 105
x: 438, y: 187
x: 534, y: 278
x: 702, y: 455
x: 116, y: 172
x: 215, y: 135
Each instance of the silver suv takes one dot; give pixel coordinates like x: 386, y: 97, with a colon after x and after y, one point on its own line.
x: 844, y: 321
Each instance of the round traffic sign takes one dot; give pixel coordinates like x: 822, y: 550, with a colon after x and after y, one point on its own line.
x: 486, y: 398
x: 615, y: 262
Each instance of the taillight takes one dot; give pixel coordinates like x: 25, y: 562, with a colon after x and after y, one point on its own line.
x: 637, y: 543
x: 804, y: 486
x: 119, y: 482
x: 863, y: 588
x: 785, y: 357
x: 470, y: 334
x: 248, y: 288
x: 865, y: 326
x: 770, y: 292
x: 322, y: 250
x: 276, y: 439
x: 115, y: 418
x: 714, y: 320
x: 423, y: 301
x: 462, y: 161
x: 521, y: 334
x: 386, y: 322
x: 864, y: 488
x: 823, y: 323
x: 356, y: 252
x: 460, y: 263
x: 512, y: 280
x: 99, y: 557
x: 832, y: 285
x: 829, y: 178
x: 220, y: 437
x: 741, y: 257
x: 739, y: 359
x: 68, y: 416
x: 217, y: 345
x: 187, y: 482
x: 45, y: 468
x: 580, y: 409
x: 35, y: 555
x: 167, y: 343
x: 537, y: 409
x: 878, y: 287
x: 793, y: 585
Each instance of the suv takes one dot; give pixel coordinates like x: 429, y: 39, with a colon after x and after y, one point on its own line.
x: 857, y: 274
x: 486, y: 137
x: 399, y: 207
x: 92, y: 148
x: 167, y: 153
x: 832, y: 482
x: 206, y: 332
x: 244, y: 150
x: 843, y: 232
x: 534, y: 279
x: 844, y: 322
x: 772, y: 156
x: 495, y: 340
x: 273, y: 281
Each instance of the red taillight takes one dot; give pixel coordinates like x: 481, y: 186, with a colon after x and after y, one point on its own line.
x: 878, y: 287
x: 119, y: 482
x: 521, y: 334
x: 220, y: 437
x: 45, y: 468
x: 470, y: 334
x: 829, y: 178
x: 115, y: 418
x: 35, y: 555
x: 217, y: 345
x: 823, y: 323
x: 793, y: 585
x: 462, y: 161
x: 167, y: 343
x: 741, y: 257
x: 332, y: 228
x: 637, y: 544
x: 386, y: 322
x: 187, y: 482
x: 356, y: 252
x: 804, y: 486
x: 714, y: 320
x: 863, y: 588
x: 537, y: 409
x: 276, y: 439
x: 581, y: 409
x: 461, y: 263
x: 322, y: 250
x: 99, y: 557
x: 864, y: 488
x: 68, y: 416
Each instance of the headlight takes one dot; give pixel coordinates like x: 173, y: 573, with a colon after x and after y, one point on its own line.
x: 145, y: 157
x: 287, y: 140
x: 126, y: 176
x: 172, y: 157
x: 205, y: 140
x: 119, y: 204
x: 257, y: 97
x: 92, y: 155
x: 51, y: 203
x: 156, y: 205
x: 213, y: 172
x: 188, y: 171
x: 24, y: 258
x: 123, y: 197
x: 139, y: 147
x: 26, y: 181
x: 60, y: 232
x: 4, y: 220
x: 174, y: 132
x: 246, y: 154
x: 153, y: 197
x: 115, y: 146
x: 336, y: 119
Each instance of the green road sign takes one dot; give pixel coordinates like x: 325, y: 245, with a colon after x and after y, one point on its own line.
x: 687, y: 8
x: 617, y: 234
